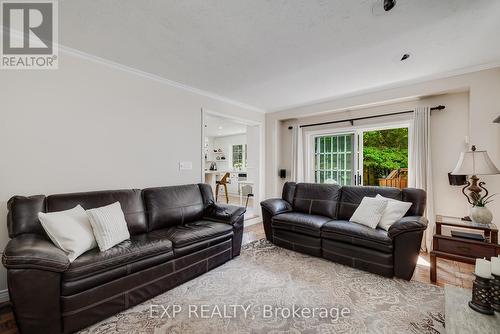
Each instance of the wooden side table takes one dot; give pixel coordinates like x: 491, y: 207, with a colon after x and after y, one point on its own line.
x: 462, y: 249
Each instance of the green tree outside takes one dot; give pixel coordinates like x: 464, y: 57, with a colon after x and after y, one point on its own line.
x: 384, y: 151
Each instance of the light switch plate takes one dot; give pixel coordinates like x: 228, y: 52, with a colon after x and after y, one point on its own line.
x: 185, y: 165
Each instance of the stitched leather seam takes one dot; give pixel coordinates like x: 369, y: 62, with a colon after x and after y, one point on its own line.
x: 298, y: 229
x: 202, y: 250
x: 35, y: 266
x: 277, y: 213
x: 222, y: 234
x: 417, y: 229
x: 359, y: 238
x: 231, y: 220
x: 117, y: 258
x: 14, y: 257
x: 182, y: 216
x: 315, y: 199
x: 296, y: 243
x: 287, y: 222
x: 140, y: 286
x: 176, y: 207
x: 358, y: 259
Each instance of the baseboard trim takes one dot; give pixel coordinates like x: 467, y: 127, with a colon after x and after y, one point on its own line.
x: 252, y: 221
x: 4, y: 296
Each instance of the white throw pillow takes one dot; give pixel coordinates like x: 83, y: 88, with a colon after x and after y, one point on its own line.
x: 69, y: 230
x: 369, y: 211
x: 109, y: 225
x: 394, y: 211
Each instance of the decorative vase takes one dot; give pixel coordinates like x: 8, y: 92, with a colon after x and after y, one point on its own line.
x: 481, y: 215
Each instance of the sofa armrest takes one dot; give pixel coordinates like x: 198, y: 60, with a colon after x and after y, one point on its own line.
x: 407, y: 224
x: 406, y: 235
x: 276, y: 206
x: 32, y: 251
x: 223, y: 213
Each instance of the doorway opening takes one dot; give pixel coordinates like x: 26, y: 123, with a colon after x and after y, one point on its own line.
x: 231, y: 161
x: 374, y: 156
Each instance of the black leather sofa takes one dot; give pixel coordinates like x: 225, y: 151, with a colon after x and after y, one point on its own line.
x: 177, y: 233
x: 314, y: 219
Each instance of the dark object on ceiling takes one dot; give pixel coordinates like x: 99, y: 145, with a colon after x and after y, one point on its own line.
x: 457, y: 180
x: 405, y: 56
x: 497, y: 120
x: 389, y: 4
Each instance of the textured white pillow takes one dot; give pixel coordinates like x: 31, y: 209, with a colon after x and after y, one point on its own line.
x: 394, y: 211
x: 69, y: 230
x: 109, y: 225
x: 369, y: 211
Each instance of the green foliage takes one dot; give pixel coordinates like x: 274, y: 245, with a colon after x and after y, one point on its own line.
x: 385, y: 150
x: 392, y: 138
x: 482, y: 201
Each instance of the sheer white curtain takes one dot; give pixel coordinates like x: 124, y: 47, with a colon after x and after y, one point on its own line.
x: 420, y: 160
x: 297, y: 155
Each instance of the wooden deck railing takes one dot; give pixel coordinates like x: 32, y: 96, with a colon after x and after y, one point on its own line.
x: 397, y: 178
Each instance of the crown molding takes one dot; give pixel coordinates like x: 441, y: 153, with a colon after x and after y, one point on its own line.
x: 151, y: 76
x: 144, y: 74
x: 398, y: 84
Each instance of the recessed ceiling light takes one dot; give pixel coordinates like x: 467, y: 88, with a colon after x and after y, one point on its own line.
x: 389, y: 4
x: 405, y: 57
x: 220, y: 127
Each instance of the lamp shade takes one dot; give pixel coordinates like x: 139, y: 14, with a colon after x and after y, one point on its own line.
x: 475, y: 163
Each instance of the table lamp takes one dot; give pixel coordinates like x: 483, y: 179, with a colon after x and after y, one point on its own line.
x: 474, y: 163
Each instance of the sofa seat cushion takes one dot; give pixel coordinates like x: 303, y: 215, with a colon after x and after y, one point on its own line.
x: 356, y: 234
x: 188, y: 234
x: 137, y: 248
x: 300, y: 223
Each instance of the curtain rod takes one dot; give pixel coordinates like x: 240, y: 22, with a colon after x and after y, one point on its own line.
x: 351, y: 120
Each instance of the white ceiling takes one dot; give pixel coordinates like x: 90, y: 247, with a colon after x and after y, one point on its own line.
x: 274, y: 54
x: 219, y: 126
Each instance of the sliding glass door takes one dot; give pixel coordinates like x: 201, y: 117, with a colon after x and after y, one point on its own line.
x: 374, y: 156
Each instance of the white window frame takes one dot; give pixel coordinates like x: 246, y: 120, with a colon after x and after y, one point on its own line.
x: 243, y: 155
x: 358, y: 131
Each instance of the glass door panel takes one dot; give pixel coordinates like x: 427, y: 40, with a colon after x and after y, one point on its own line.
x: 384, y: 157
x: 334, y: 159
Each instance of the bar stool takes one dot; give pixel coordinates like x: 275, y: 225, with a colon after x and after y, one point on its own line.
x: 222, y: 182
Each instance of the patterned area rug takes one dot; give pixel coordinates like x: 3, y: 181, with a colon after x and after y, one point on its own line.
x: 268, y: 289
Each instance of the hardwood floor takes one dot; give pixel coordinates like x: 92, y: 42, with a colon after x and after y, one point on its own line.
x: 449, y: 272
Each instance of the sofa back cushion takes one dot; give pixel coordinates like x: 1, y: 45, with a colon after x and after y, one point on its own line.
x: 130, y: 201
x: 317, y: 199
x: 175, y: 205
x: 353, y: 195
x: 418, y: 199
x: 289, y: 192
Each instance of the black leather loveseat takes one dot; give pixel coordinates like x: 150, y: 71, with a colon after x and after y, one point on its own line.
x: 177, y: 233
x: 314, y: 219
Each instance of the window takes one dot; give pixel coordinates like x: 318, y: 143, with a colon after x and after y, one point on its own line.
x: 333, y: 159
x: 239, y: 156
x: 371, y: 156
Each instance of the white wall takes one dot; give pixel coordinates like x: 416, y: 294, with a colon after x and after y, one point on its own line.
x: 91, y: 126
x: 470, y: 113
